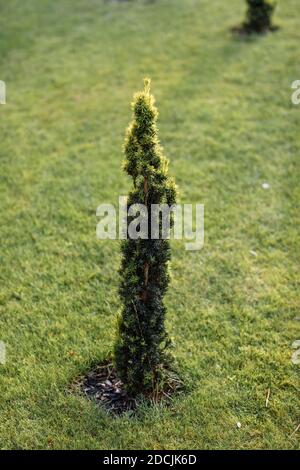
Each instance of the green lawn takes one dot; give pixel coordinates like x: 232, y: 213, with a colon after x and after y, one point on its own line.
x: 227, y: 125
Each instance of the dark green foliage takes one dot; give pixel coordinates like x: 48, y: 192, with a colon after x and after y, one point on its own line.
x: 140, y: 349
x: 259, y: 15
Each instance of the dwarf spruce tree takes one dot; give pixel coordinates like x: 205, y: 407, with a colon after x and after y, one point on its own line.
x: 141, y: 345
x: 259, y: 15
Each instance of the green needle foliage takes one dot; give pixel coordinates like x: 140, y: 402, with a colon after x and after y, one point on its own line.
x: 141, y: 347
x: 259, y: 15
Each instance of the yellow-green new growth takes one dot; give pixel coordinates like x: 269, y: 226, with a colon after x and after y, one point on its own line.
x: 140, y: 349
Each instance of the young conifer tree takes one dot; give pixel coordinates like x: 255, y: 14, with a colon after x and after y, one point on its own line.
x: 141, y: 346
x: 259, y: 15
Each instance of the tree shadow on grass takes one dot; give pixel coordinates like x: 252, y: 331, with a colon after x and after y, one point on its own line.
x: 102, y: 385
x: 244, y: 33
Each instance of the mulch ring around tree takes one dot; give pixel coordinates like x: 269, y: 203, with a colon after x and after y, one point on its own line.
x: 102, y: 385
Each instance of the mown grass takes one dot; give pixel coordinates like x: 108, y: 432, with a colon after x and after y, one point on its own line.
x: 227, y: 125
